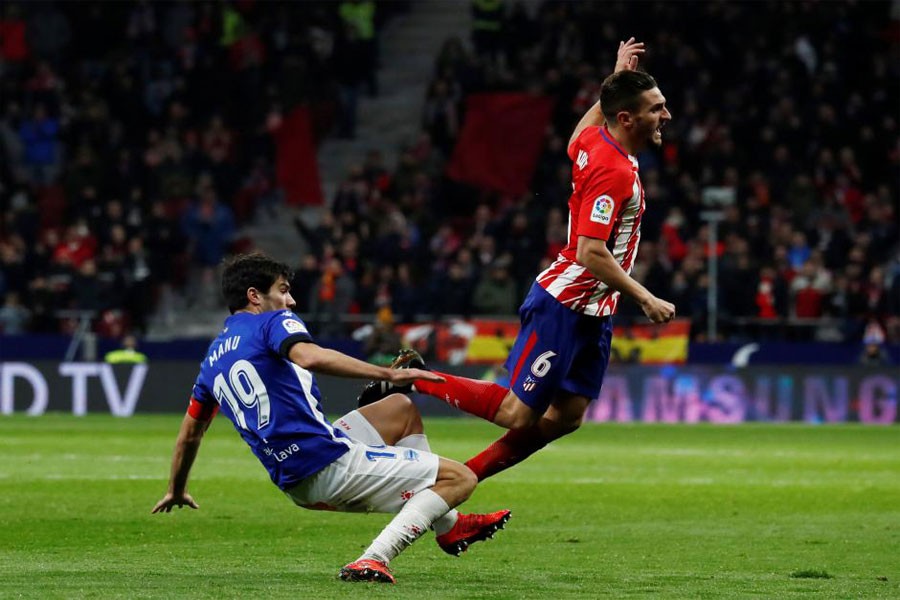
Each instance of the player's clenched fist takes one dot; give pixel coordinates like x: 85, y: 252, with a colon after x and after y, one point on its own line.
x: 657, y: 310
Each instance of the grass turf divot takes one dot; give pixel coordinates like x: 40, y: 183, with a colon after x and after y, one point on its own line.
x: 811, y: 574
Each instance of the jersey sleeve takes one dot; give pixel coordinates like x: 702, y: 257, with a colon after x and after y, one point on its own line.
x: 604, y: 192
x: 201, y: 391
x: 203, y: 405
x: 581, y: 142
x: 283, y: 330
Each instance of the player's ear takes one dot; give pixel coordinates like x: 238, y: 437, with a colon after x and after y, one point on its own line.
x: 253, y: 296
x: 625, y: 118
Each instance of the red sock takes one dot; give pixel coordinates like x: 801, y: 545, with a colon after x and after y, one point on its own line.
x: 514, y: 447
x: 479, y: 398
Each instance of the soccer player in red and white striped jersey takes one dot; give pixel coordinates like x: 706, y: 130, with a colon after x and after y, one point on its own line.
x: 607, y: 203
x: 560, y: 356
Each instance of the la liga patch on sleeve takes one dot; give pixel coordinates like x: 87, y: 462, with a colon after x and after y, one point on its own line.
x: 293, y: 326
x: 603, y: 210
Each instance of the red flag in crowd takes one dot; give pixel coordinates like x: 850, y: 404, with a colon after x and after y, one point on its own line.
x: 297, y: 168
x: 501, y: 141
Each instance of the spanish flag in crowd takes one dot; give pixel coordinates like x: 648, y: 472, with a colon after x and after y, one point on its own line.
x: 652, y: 344
x: 488, y: 342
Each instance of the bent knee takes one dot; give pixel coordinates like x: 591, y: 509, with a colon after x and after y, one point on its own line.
x: 460, y: 477
x: 566, y: 414
x: 463, y: 476
x: 571, y: 425
x: 571, y: 420
x: 523, y: 420
x: 515, y: 414
x: 401, y: 403
x: 468, y: 480
x: 560, y: 426
x: 405, y: 409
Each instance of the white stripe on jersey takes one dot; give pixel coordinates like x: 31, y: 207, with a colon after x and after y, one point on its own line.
x: 628, y: 219
x: 564, y: 279
x: 574, y: 286
x: 305, y: 378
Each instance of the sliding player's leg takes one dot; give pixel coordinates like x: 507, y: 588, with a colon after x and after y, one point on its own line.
x: 453, y: 484
x: 395, y: 420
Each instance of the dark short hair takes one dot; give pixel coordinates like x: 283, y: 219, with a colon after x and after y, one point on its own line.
x: 245, y: 271
x: 622, y: 91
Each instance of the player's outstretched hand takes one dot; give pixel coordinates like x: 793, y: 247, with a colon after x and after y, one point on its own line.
x: 400, y: 377
x: 658, y: 311
x: 628, y: 55
x: 170, y: 500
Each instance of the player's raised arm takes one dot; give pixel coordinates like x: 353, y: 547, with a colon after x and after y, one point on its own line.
x: 627, y: 59
x: 186, y: 446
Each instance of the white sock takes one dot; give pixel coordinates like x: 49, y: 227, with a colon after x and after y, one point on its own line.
x: 411, y: 522
x: 419, y: 441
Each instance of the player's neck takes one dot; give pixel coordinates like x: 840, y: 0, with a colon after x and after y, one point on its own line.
x: 622, y: 139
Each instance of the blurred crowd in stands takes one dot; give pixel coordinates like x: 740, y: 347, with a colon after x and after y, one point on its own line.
x: 791, y: 136
x: 135, y: 141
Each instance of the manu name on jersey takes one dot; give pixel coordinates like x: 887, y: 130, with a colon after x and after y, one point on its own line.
x: 273, y: 403
x: 607, y: 203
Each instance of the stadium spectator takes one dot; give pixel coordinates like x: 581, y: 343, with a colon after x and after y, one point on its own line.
x: 406, y: 297
x: 49, y: 32
x: 487, y: 27
x: 209, y: 227
x: 351, y: 64
x: 496, y: 292
x: 382, y: 342
x: 264, y: 345
x: 874, y: 354
x: 359, y: 15
x: 127, y: 354
x: 441, y: 117
x: 331, y: 296
x: 13, y: 316
x: 39, y: 137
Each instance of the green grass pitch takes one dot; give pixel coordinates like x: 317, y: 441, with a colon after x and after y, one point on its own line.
x: 616, y: 511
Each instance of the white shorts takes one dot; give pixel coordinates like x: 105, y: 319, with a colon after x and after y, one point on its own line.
x: 358, y: 428
x: 374, y: 478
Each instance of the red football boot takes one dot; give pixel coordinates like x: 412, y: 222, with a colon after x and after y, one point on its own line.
x: 470, y: 529
x: 367, y: 570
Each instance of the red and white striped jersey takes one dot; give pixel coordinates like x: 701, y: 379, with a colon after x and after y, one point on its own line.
x: 607, y: 203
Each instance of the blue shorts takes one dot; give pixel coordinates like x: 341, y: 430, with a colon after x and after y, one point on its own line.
x: 557, y: 349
